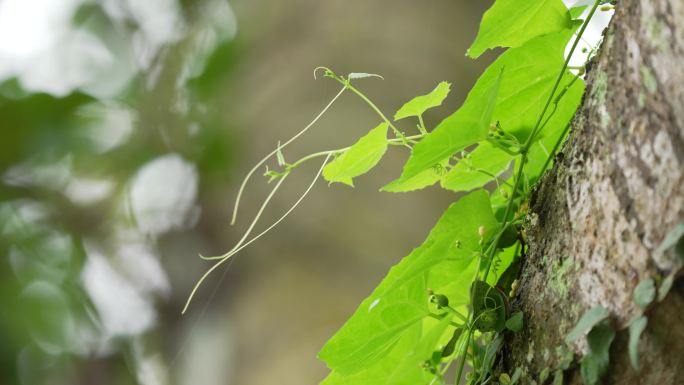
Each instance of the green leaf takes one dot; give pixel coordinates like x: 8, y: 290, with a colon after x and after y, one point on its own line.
x: 636, y: 326
x: 515, y: 323
x: 576, y: 12
x: 418, y: 105
x: 400, y: 301
x: 595, y: 364
x: 544, y: 375
x: 466, y: 126
x: 375, y: 327
x: 454, y: 239
x: 587, y: 322
x: 665, y: 286
x: 511, y: 23
x: 479, y: 168
x: 377, y: 372
x: 558, y: 377
x: 424, y: 179
x: 644, y: 293
x: 420, y: 353
x: 360, y: 158
x: 674, y: 238
x: 530, y: 72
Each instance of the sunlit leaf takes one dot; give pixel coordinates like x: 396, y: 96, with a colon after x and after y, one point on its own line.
x: 401, y: 300
x: 482, y: 165
x: 376, y: 326
x: 529, y: 74
x: 360, y: 158
x: 418, y: 105
x: 423, y: 179
x: 511, y: 23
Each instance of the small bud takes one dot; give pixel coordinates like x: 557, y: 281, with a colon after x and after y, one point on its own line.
x: 606, y: 8
x: 482, y: 231
x: 440, y: 300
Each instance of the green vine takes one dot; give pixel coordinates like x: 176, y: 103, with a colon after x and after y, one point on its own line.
x: 448, y: 301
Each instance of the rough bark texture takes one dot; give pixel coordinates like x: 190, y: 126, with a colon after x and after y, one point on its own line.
x: 616, y: 190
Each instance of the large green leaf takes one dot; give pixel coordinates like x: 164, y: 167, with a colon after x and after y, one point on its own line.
x: 481, y: 166
x: 530, y: 72
x: 360, y: 158
x: 511, y: 23
x: 378, y: 323
x: 401, y: 366
x: 589, y: 319
x: 418, y: 105
x: 401, y: 300
x: 454, y: 238
x: 636, y: 326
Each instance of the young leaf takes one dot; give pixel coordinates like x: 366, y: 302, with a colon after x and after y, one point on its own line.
x: 644, y: 293
x: 363, y: 75
x: 418, y: 105
x: 511, y: 23
x: 636, y: 326
x: 466, y: 126
x: 483, y: 164
x: 360, y: 158
x: 587, y: 322
x: 594, y: 365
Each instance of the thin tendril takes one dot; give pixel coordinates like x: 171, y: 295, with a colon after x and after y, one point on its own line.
x: 227, y: 256
x: 274, y: 152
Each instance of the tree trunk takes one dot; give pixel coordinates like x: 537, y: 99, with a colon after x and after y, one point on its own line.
x: 599, y: 215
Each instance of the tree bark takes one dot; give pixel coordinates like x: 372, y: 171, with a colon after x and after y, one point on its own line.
x: 616, y: 190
